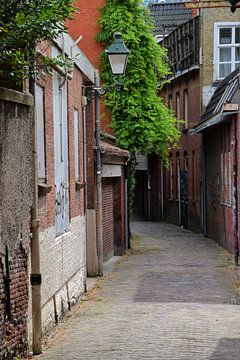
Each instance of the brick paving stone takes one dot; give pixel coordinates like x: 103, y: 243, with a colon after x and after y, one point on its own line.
x: 172, y: 300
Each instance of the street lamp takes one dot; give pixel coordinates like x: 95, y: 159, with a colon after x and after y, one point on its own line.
x: 117, y: 54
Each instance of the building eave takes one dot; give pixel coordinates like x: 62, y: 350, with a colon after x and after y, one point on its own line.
x: 213, y: 121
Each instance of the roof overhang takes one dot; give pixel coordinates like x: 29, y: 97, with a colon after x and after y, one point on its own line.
x: 213, y: 121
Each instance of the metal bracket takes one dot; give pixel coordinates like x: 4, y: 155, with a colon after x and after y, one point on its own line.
x: 93, y: 91
x: 36, y: 279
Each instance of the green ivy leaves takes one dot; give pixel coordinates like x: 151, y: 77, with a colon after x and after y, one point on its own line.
x: 140, y: 119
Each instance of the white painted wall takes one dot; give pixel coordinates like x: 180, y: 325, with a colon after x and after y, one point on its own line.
x: 63, y: 264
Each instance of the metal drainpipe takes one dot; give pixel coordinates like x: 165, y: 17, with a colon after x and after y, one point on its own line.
x: 35, y: 251
x: 84, y: 105
x: 235, y: 196
x: 99, y: 179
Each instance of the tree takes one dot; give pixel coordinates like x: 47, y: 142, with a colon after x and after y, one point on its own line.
x: 140, y: 119
x: 23, y: 24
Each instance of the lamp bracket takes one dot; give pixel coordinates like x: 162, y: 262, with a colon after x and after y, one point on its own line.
x: 93, y: 91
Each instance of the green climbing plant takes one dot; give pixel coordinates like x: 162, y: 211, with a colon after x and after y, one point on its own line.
x: 140, y: 119
x: 23, y: 24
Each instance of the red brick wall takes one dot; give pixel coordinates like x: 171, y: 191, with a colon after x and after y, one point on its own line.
x: 76, y: 196
x: 13, y: 330
x: 108, y: 218
x: 85, y: 23
x: 189, y: 145
x: 218, y: 214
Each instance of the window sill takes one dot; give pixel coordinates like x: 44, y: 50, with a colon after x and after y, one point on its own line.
x: 79, y: 185
x: 44, y: 189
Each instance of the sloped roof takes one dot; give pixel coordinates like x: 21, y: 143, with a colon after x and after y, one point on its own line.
x: 113, y: 150
x: 168, y: 16
x: 224, y: 93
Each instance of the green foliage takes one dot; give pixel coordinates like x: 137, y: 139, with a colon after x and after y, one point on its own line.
x: 140, y: 119
x: 23, y: 24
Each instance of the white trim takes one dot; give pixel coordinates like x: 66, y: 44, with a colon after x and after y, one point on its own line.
x: 68, y: 45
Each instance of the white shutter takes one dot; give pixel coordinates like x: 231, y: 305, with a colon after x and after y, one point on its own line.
x: 76, y: 144
x: 39, y: 100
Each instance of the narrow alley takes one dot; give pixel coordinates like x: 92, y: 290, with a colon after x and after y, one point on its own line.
x: 172, y: 299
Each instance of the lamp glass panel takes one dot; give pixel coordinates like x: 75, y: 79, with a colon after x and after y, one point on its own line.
x: 117, y: 63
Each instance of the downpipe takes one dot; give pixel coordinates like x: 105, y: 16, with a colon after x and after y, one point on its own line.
x: 99, y: 180
x: 35, y: 250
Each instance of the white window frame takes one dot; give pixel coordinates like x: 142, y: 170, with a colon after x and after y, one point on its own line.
x: 217, y: 46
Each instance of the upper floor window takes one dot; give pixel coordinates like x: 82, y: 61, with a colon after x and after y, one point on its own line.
x: 227, y: 50
x: 185, y: 108
x: 178, y: 109
x: 170, y: 101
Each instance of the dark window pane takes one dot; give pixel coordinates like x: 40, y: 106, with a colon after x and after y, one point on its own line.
x: 237, y: 35
x: 225, y: 36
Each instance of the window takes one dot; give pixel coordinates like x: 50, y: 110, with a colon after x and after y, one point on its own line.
x: 170, y: 101
x: 178, y: 109
x: 76, y: 144
x: 39, y: 95
x: 186, y: 109
x: 171, y: 179
x: 227, y: 49
x: 185, y: 161
x: 226, y: 175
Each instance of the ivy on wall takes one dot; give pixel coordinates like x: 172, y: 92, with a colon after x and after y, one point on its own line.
x: 140, y: 119
x: 23, y: 24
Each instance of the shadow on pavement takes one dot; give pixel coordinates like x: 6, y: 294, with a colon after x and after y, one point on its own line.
x: 227, y: 349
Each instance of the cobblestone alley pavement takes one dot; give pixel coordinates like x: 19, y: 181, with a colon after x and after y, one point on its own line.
x: 173, y: 299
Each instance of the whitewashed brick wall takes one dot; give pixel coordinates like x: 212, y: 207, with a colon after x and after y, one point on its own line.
x: 63, y: 268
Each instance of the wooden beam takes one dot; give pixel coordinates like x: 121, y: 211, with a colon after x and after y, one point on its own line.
x: 209, y: 4
x: 230, y: 107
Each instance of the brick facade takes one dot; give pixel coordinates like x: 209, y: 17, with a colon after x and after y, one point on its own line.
x: 187, y: 156
x: 85, y: 24
x: 219, y: 206
x: 16, y: 201
x: 14, y: 306
x: 62, y: 257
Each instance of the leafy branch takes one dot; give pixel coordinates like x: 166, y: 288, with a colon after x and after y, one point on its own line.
x: 23, y: 25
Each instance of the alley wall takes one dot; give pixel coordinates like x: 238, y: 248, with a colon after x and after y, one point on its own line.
x: 16, y: 201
